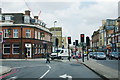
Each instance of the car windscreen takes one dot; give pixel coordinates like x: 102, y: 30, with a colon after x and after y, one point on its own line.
x: 57, y: 51
x: 100, y: 53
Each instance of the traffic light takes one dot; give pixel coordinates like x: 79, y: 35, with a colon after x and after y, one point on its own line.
x: 82, y: 37
x: 87, y: 41
x: 56, y: 42
x: 1, y: 37
x: 76, y: 42
x: 69, y: 40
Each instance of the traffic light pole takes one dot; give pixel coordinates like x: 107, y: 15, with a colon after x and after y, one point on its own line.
x: 82, y: 52
x: 68, y: 53
x: 87, y: 53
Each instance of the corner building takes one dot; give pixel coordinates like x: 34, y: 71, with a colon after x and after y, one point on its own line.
x: 23, y: 34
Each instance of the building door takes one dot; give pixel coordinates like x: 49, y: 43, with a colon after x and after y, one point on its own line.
x: 28, y: 46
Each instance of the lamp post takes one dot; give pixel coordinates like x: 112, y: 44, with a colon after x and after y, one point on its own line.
x: 54, y: 35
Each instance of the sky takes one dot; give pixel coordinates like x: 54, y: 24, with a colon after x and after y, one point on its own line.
x: 74, y: 16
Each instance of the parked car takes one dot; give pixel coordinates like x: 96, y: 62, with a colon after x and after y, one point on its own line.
x: 117, y: 55
x: 94, y: 55
x: 90, y: 54
x: 100, y: 55
x: 114, y: 55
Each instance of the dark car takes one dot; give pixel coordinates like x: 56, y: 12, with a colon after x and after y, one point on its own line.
x: 94, y: 55
x: 90, y: 54
x: 114, y: 55
x: 100, y: 55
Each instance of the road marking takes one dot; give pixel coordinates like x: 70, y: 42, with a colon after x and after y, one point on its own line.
x: 12, y: 78
x: 66, y: 76
x: 46, y: 72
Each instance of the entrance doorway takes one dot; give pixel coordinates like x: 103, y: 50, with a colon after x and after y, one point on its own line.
x: 28, y: 46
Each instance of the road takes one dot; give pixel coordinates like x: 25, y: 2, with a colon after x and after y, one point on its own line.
x: 34, y: 70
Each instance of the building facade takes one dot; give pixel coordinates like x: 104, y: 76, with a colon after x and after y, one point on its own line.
x: 95, y: 41
x: 57, y: 33
x: 64, y: 42
x: 23, y: 34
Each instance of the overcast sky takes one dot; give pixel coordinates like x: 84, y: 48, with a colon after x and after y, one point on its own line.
x: 74, y: 16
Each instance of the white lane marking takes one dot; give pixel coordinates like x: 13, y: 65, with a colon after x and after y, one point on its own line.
x: 45, y: 72
x: 66, y: 76
x: 12, y: 78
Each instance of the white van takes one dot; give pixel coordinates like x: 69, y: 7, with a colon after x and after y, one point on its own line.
x: 61, y: 53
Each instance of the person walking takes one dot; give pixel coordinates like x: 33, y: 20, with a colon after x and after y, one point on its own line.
x: 26, y: 56
x: 47, y: 58
x: 69, y: 58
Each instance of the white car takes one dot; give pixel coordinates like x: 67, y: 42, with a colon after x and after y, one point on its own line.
x: 61, y: 53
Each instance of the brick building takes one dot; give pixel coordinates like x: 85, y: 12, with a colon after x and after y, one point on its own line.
x: 95, y: 40
x: 21, y: 33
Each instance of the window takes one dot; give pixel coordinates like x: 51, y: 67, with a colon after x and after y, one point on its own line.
x: 27, y: 33
x: 16, y: 49
x: 38, y: 50
x: 35, y: 34
x: 7, y: 17
x: 6, y: 48
x: 6, y: 35
x: 15, y: 33
x: 26, y: 19
x: 38, y: 35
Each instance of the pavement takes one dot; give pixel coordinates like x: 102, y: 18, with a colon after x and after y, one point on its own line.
x: 4, y: 69
x: 104, y: 71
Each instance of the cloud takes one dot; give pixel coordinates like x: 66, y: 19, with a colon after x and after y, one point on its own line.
x: 75, y: 17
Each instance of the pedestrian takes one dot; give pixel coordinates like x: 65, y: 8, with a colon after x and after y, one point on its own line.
x: 69, y: 58
x: 47, y: 58
x: 26, y: 56
x: 76, y: 57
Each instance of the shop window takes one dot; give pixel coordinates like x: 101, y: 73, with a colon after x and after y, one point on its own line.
x: 16, y: 49
x: 6, y: 48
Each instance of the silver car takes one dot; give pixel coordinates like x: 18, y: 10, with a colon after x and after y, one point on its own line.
x: 100, y: 55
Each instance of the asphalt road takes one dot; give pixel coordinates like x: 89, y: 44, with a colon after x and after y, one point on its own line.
x: 35, y: 70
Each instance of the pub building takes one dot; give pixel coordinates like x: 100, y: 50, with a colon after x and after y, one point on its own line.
x: 23, y: 34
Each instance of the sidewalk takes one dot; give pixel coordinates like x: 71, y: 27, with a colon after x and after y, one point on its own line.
x: 100, y: 69
x: 23, y: 59
x: 4, y: 69
x: 105, y: 71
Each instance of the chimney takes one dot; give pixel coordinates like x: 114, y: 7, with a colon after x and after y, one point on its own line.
x: 36, y: 17
x: 0, y: 10
x: 27, y: 12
